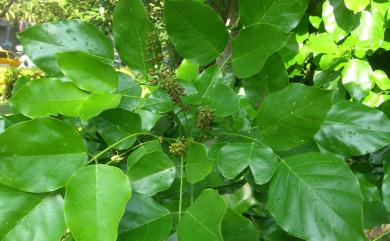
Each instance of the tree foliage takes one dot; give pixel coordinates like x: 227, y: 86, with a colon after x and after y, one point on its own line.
x: 268, y: 121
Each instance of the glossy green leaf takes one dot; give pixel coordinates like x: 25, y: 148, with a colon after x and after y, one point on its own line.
x: 237, y: 228
x: 235, y: 157
x: 381, y: 80
x: 41, y: 42
x: 197, y: 32
x: 338, y: 20
x: 40, y: 155
x: 283, y: 13
x: 144, y: 220
x: 44, y: 97
x: 97, y: 196
x: 254, y: 45
x: 354, y: 129
x: 316, y: 197
x: 118, y: 124
x: 198, y: 165
x: 131, y: 27
x: 152, y: 173
x: 356, y: 78
x: 290, y: 117
x: 203, y: 218
x: 272, y: 77
x: 96, y: 103
x: 187, y: 70
x: 88, y: 72
x: 356, y: 5
x: 27, y: 216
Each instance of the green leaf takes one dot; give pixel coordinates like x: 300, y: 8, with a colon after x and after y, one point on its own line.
x: 41, y: 42
x: 187, y: 70
x: 254, y: 45
x: 198, y: 165
x: 144, y: 219
x: 354, y: 129
x: 237, y: 228
x: 152, y: 173
x: 88, y: 72
x: 356, y: 78
x: 316, y: 197
x: 197, y: 32
x: 203, y: 218
x: 222, y: 99
x: 97, y: 196
x: 241, y: 199
x: 338, y: 20
x: 235, y: 157
x: 272, y: 77
x: 117, y: 124
x: 290, y: 117
x: 160, y: 101
x: 96, y: 103
x: 25, y: 216
x: 381, y: 80
x: 283, y: 13
x: 322, y: 43
x: 386, y: 184
x: 44, y: 97
x: 131, y: 27
x: 142, y: 151
x: 40, y: 155
x: 356, y: 5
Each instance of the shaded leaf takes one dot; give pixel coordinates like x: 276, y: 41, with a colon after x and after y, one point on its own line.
x: 237, y: 228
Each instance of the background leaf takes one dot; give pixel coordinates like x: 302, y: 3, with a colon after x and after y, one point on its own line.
x: 356, y: 78
x: 97, y: 196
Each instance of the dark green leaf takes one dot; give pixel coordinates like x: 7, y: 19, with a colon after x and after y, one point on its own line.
x: 196, y: 30
x: 254, y: 45
x: 290, y: 117
x: 316, y: 197
x: 237, y: 228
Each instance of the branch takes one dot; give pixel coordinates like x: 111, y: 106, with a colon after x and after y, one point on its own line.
x: 6, y: 8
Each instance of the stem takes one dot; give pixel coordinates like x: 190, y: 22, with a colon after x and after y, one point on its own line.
x: 181, y: 186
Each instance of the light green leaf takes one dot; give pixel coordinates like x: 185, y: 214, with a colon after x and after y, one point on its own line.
x: 44, y: 97
x: 356, y: 5
x: 196, y: 30
x: 272, y: 77
x: 338, y: 20
x: 322, y: 43
x: 88, y: 72
x: 354, y: 129
x: 237, y: 228
x: 381, y: 80
x: 187, y: 70
x: 290, y: 117
x: 203, y: 218
x: 356, y: 78
x: 152, y: 173
x: 25, y: 216
x: 96, y: 103
x: 198, y: 165
x: 40, y: 155
x: 317, y: 197
x: 117, y: 124
x: 41, y: 42
x: 131, y: 27
x: 254, y: 45
x: 145, y: 220
x: 315, y: 21
x: 97, y: 196
x: 236, y: 157
x: 374, y: 100
x: 284, y: 13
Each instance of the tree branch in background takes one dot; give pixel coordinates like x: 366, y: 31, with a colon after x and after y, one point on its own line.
x: 6, y: 8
